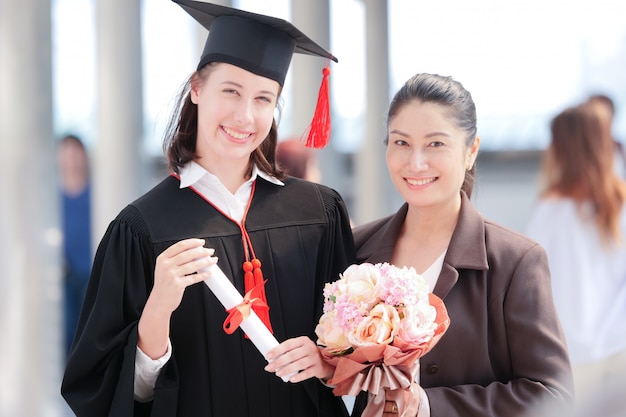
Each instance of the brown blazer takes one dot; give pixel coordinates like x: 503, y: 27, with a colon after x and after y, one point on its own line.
x: 504, y: 353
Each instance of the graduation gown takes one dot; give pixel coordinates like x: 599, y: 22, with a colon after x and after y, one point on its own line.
x: 299, y: 231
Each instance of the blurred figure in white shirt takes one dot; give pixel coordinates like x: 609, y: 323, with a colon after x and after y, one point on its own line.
x: 580, y: 219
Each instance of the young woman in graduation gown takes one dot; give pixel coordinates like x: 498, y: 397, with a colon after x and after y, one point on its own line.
x: 150, y: 341
x: 504, y: 353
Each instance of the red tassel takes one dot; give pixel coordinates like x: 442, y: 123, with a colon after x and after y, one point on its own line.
x: 248, y: 276
x: 258, y: 274
x: 253, y: 277
x: 319, y: 131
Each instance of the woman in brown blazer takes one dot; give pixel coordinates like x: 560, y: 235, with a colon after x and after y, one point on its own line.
x: 504, y: 353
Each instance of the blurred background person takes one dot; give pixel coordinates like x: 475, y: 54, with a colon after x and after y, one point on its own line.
x: 605, y: 108
x: 580, y: 219
x: 297, y: 160
x: 73, y: 163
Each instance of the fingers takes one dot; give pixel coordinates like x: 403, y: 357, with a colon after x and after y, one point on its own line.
x: 177, y: 267
x: 287, y: 352
x: 408, y: 404
x: 391, y: 408
x: 182, y: 246
x: 196, y: 270
x: 287, y: 346
x: 298, y: 358
x: 185, y: 258
x: 184, y: 255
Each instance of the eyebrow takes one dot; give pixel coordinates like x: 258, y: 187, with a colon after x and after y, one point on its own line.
x: 430, y: 135
x: 433, y: 134
x: 241, y: 86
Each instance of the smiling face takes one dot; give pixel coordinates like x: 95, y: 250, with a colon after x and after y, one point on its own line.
x: 235, y: 114
x: 427, y: 155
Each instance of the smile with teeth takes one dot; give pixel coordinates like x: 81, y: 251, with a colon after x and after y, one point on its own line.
x: 235, y: 134
x: 423, y: 181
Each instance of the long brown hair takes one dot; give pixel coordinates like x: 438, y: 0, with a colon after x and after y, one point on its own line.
x: 179, y: 142
x: 579, y: 165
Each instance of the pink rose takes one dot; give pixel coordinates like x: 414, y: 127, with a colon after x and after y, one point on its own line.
x: 380, y: 327
x: 418, y: 323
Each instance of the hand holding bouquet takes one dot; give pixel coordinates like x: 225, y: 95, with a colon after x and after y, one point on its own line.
x: 378, y: 321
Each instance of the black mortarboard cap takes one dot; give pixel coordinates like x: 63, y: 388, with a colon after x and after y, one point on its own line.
x: 260, y: 44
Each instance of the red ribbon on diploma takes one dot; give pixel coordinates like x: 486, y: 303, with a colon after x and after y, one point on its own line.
x: 237, y: 314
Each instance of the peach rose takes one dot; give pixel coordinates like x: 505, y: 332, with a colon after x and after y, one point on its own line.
x: 330, y: 335
x: 380, y: 327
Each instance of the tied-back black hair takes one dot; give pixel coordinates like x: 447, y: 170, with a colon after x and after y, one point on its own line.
x: 445, y: 91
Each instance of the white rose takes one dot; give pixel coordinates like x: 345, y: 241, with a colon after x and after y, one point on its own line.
x: 418, y: 324
x: 360, y: 284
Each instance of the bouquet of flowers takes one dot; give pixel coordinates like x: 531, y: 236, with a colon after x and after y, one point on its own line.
x: 378, y: 321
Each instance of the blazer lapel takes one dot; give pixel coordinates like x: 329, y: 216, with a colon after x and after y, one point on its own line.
x: 381, y: 238
x: 447, y: 278
x: 467, y: 248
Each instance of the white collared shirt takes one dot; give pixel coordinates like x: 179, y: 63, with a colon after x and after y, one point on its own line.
x: 211, y: 188
x: 431, y: 274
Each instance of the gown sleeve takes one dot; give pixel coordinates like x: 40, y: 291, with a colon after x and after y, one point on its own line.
x: 341, y: 249
x: 98, y: 379
x: 341, y: 252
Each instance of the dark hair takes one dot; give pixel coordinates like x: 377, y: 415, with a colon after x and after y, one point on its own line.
x: 294, y: 157
x: 73, y: 139
x: 432, y: 88
x: 70, y: 137
x: 605, y: 100
x: 179, y: 142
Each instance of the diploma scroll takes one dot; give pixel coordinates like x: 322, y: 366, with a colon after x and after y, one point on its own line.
x: 228, y: 295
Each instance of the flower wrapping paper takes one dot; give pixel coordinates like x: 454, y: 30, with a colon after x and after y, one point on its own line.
x: 378, y: 321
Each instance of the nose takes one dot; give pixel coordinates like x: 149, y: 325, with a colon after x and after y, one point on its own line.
x: 243, y: 112
x: 418, y: 160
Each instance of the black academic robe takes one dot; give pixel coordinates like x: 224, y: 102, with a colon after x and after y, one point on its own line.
x: 301, y: 234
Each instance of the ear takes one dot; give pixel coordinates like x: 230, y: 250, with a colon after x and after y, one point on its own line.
x: 472, y: 153
x: 193, y: 94
x: 194, y: 91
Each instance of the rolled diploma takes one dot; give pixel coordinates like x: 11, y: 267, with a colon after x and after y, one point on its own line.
x: 228, y: 295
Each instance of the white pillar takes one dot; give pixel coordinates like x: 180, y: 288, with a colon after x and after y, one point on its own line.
x: 29, y: 245
x: 313, y: 19
x: 374, y: 191
x: 119, y: 165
